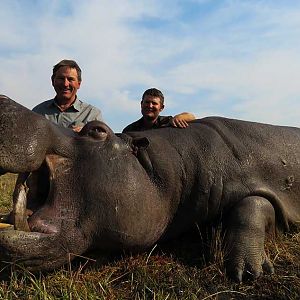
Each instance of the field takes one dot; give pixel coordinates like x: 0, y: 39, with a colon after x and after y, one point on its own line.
x: 176, y: 270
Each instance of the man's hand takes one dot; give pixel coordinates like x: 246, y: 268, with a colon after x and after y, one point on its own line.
x: 76, y: 128
x: 181, y: 120
x: 178, y: 121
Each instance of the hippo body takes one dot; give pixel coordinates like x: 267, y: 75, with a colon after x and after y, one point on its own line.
x: 128, y: 191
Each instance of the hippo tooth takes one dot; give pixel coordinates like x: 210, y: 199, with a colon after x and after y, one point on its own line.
x: 20, y: 203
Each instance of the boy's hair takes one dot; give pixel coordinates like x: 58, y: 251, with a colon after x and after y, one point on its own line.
x: 155, y: 93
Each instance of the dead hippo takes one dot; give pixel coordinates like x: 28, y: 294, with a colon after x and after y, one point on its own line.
x: 112, y: 192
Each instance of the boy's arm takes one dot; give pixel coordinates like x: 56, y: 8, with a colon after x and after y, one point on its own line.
x: 181, y: 120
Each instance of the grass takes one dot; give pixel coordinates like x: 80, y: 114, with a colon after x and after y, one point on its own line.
x: 7, y: 184
x: 176, y: 270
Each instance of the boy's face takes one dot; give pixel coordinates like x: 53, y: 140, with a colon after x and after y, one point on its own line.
x: 151, y: 107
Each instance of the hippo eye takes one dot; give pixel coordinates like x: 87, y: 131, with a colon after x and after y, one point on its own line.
x: 98, y: 133
x: 95, y: 130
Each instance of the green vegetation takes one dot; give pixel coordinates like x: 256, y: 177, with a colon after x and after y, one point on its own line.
x: 176, y: 270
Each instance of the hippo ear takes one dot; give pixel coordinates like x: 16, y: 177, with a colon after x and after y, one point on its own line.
x: 140, y: 143
x: 139, y: 146
x: 135, y: 143
x: 96, y: 130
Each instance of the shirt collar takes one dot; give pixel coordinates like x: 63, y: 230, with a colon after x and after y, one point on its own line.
x: 76, y: 104
x: 155, y: 124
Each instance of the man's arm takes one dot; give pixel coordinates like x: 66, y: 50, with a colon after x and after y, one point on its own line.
x: 181, y: 120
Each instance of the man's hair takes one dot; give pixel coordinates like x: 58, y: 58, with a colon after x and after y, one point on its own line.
x: 67, y: 63
x: 155, y: 93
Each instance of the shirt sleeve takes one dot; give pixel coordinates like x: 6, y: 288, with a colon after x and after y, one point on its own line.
x: 164, y: 121
x: 128, y: 128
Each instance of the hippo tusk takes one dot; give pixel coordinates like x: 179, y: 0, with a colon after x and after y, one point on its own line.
x: 20, y: 204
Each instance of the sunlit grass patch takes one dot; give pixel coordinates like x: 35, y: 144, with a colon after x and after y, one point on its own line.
x: 7, y: 183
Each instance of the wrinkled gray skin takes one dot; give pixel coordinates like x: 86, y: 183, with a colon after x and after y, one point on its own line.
x: 112, y: 192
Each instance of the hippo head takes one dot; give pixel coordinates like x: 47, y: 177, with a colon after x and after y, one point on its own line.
x: 73, y: 185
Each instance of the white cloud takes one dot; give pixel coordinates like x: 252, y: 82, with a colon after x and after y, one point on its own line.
x: 237, y: 58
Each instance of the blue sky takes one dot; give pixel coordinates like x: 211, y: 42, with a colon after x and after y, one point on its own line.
x: 238, y: 59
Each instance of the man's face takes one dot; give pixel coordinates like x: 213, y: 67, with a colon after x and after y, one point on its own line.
x: 66, y: 84
x: 151, y: 107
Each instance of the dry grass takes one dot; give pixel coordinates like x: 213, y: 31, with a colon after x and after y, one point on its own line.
x: 7, y: 183
x: 176, y: 270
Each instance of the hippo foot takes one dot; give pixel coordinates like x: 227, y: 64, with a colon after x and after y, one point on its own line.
x: 246, y: 230
x: 248, y: 268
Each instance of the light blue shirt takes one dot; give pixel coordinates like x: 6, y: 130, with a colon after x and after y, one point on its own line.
x: 78, y: 114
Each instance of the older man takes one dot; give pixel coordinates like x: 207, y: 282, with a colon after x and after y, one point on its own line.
x: 65, y: 109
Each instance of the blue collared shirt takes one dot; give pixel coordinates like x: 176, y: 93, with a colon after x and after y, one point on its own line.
x: 78, y: 114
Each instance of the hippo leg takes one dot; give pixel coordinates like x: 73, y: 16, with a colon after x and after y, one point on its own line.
x: 246, y: 227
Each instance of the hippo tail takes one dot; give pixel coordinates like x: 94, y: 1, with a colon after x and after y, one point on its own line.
x: 282, y: 219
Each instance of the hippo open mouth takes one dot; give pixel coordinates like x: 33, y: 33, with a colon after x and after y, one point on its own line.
x: 40, y: 219
x: 32, y: 192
